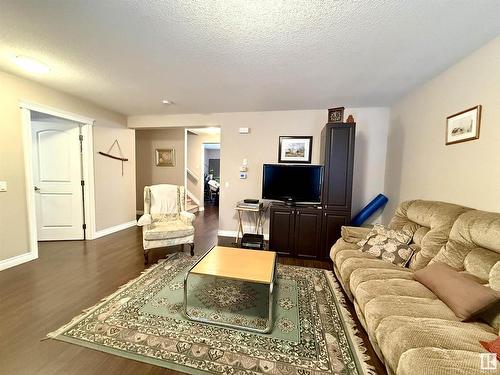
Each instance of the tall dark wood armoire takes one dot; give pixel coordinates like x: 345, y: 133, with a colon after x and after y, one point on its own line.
x: 337, y: 156
x: 310, y: 231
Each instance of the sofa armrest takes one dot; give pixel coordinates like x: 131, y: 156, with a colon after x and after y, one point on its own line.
x: 354, y: 234
x: 144, y: 220
x: 187, y: 217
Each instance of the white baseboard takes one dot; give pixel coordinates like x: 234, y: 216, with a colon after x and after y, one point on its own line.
x: 17, y: 260
x: 116, y: 228
x: 232, y: 233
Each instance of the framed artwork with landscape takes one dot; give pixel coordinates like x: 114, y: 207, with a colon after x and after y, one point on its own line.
x: 463, y: 126
x: 295, y: 149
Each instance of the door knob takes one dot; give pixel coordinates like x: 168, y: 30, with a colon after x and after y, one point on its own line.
x: 37, y: 188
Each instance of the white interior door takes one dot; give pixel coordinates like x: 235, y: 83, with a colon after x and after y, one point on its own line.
x: 57, y: 179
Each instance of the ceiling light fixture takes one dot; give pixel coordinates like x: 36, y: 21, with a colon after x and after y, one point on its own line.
x: 31, y: 65
x: 166, y: 101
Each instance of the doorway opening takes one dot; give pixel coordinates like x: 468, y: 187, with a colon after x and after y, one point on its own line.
x: 211, y: 163
x: 201, y: 145
x: 59, y: 175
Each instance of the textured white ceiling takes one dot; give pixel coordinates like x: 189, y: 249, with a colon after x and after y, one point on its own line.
x: 242, y: 55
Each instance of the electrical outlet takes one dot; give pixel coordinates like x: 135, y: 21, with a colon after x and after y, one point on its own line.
x: 3, y: 185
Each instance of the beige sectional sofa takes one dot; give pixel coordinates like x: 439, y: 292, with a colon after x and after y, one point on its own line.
x: 411, y: 329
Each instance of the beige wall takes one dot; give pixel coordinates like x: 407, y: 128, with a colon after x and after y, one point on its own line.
x: 261, y: 146
x: 114, y: 199
x: 419, y: 165
x: 195, y: 162
x: 147, y: 141
x: 14, y: 238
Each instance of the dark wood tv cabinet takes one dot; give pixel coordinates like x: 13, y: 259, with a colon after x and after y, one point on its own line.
x: 310, y: 231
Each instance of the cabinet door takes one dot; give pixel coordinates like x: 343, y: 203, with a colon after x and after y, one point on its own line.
x: 281, y: 230
x: 307, y: 233
x: 332, y: 223
x: 339, y: 149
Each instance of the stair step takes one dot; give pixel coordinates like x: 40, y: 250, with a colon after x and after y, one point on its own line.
x: 191, y: 206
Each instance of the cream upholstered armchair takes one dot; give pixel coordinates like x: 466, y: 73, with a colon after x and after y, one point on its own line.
x: 165, y: 221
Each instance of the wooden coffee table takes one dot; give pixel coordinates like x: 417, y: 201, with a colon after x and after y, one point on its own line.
x: 253, y: 266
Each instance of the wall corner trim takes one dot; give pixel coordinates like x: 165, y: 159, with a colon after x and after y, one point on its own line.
x: 17, y: 260
x: 113, y: 229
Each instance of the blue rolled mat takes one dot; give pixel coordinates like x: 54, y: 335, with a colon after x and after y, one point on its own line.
x: 378, y: 202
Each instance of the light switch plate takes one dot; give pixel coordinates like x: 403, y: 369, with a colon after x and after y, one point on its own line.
x: 3, y: 185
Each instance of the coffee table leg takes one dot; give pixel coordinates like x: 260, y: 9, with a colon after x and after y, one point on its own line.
x: 269, y: 324
x: 186, y: 284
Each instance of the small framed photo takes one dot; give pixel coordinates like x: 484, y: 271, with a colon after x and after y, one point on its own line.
x: 294, y: 149
x: 463, y: 126
x: 165, y: 157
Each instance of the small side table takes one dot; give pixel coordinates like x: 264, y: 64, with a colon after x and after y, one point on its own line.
x: 258, y: 215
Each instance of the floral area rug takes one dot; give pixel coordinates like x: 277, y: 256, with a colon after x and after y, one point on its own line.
x: 313, y: 332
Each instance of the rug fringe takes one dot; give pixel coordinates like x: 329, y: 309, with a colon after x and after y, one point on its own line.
x: 89, y: 310
x: 359, y: 345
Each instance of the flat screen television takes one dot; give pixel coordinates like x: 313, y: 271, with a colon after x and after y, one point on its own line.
x: 292, y: 183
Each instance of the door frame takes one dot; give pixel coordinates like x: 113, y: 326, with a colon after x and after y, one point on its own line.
x: 88, y: 167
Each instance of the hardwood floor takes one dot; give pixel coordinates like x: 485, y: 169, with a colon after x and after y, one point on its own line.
x: 69, y: 276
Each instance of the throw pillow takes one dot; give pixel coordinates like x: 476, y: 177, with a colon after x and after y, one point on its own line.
x: 388, y: 244
x: 461, y: 293
x: 492, y: 346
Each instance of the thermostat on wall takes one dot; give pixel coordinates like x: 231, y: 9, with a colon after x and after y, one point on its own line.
x: 243, y: 175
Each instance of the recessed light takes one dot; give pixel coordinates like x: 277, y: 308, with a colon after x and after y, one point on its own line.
x: 166, y: 101
x: 31, y: 65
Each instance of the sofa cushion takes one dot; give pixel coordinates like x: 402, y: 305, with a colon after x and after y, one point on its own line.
x: 366, y: 274
x: 167, y: 230
x: 397, y: 334
x: 464, y: 295
x: 382, y: 234
x: 436, y: 218
x: 369, y: 290
x: 474, y: 243
x: 385, y: 306
x: 350, y: 264
x: 387, y: 244
x: 341, y: 246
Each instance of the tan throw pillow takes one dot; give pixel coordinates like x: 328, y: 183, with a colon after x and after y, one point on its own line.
x: 461, y: 293
x: 388, y: 244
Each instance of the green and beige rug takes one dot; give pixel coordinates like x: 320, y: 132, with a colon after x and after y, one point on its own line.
x: 313, y: 332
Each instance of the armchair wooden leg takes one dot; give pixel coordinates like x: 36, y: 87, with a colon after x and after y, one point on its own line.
x: 192, y: 248
x: 146, y: 257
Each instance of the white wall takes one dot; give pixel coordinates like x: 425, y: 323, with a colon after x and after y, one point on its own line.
x: 420, y: 165
x: 261, y: 146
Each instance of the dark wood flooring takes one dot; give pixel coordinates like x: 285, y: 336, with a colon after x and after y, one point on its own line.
x: 69, y: 276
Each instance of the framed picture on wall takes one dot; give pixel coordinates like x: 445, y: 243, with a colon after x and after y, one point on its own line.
x: 463, y: 126
x: 295, y: 149
x: 165, y: 157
